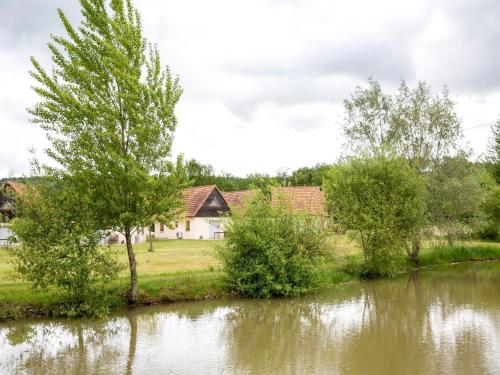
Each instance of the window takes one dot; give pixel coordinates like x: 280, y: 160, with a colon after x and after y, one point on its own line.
x: 188, y: 225
x: 162, y: 227
x: 176, y: 224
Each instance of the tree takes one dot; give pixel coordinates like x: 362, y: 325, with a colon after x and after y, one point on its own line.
x: 425, y: 128
x: 367, y: 122
x: 491, y: 229
x: 494, y: 151
x: 380, y: 201
x: 309, y: 176
x: 411, y: 124
x: 108, y: 107
x: 60, y: 245
x: 199, y: 174
x: 457, y: 194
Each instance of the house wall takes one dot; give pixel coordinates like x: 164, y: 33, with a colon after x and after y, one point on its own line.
x: 139, y: 236
x: 199, y: 229
x: 5, y: 233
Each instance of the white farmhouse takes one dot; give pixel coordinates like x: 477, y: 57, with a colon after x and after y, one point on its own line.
x: 205, y: 214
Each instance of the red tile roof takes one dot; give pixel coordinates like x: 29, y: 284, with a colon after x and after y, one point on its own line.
x: 308, y: 199
x: 17, y: 187
x: 238, y: 199
x: 195, y: 197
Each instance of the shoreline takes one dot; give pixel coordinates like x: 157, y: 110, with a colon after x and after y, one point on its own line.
x: 203, y: 285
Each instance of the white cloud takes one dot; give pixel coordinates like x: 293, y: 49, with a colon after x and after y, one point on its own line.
x: 264, y: 81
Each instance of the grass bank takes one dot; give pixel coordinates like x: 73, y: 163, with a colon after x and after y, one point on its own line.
x: 189, y: 271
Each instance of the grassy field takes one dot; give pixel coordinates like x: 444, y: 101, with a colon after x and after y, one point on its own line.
x: 181, y: 270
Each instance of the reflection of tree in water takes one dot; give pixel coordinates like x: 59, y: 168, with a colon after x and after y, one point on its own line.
x: 66, y: 347
x: 436, y: 322
x: 439, y: 321
x: 132, y: 346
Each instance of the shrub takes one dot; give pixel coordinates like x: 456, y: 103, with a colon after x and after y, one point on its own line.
x: 271, y: 250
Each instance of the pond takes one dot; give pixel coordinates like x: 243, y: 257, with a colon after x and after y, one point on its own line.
x: 444, y: 320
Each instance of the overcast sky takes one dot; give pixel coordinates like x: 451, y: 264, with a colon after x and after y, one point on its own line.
x: 264, y: 80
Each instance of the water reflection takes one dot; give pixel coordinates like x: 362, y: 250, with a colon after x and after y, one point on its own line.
x: 444, y: 321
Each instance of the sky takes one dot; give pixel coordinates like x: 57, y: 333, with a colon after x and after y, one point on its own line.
x: 264, y: 81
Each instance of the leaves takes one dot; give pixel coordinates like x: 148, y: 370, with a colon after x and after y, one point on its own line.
x: 108, y: 106
x: 412, y: 124
x: 381, y: 201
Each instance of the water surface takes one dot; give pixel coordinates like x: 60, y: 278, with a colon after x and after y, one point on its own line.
x: 440, y: 321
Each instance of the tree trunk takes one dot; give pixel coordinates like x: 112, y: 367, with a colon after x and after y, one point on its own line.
x: 132, y: 295
x: 151, y: 250
x: 415, y: 251
x: 450, y: 240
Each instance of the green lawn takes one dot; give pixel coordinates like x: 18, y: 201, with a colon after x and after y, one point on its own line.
x: 169, y: 256
x: 180, y: 270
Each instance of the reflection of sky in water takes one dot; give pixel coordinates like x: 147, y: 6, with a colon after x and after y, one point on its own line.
x: 345, y: 317
x: 454, y: 328
x: 331, y: 334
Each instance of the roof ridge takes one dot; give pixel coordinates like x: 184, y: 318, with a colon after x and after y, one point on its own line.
x: 205, y: 197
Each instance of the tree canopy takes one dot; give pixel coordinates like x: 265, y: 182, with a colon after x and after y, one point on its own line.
x: 413, y: 123
x: 108, y: 107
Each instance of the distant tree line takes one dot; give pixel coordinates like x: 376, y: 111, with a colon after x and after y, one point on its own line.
x: 201, y: 174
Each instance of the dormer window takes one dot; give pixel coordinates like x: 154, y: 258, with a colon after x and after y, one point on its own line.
x: 214, y: 202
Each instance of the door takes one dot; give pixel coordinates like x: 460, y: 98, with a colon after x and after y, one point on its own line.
x: 215, y: 229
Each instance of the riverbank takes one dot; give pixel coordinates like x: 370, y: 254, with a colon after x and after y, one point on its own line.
x: 188, y: 271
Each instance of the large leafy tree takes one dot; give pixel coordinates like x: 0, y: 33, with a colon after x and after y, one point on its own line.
x: 380, y: 201
x: 413, y: 124
x: 458, y: 192
x: 494, y: 151
x: 108, y: 107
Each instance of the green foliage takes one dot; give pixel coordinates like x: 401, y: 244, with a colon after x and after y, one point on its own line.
x: 412, y: 124
x: 59, y: 246
x: 310, y: 176
x: 108, y: 106
x: 458, y: 190
x: 446, y: 255
x: 204, y: 174
x: 381, y: 201
x: 271, y: 251
x: 494, y: 151
x: 491, y: 228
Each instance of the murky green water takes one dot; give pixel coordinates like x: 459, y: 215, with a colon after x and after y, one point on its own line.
x: 441, y: 321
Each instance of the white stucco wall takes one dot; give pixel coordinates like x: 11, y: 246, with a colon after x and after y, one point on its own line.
x: 199, y: 229
x: 5, y: 233
x: 139, y: 236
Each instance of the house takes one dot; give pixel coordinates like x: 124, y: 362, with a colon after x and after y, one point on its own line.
x: 204, y: 216
x: 7, y: 212
x: 307, y: 199
x: 7, y: 192
x: 237, y: 200
x: 139, y: 235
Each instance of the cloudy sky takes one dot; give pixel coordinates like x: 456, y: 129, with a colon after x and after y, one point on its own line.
x: 264, y: 80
